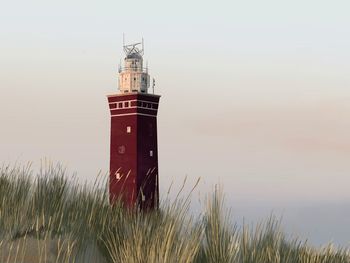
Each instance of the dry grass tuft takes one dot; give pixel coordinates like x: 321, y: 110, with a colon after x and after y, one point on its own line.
x: 51, y: 219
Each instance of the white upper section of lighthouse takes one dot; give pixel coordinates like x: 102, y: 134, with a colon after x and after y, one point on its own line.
x: 133, y: 77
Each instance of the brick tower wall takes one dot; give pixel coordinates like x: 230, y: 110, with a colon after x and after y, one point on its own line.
x: 133, y: 149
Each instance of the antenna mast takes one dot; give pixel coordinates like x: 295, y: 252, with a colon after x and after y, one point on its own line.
x: 133, y: 48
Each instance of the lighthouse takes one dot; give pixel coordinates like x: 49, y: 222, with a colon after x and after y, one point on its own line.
x: 133, y: 177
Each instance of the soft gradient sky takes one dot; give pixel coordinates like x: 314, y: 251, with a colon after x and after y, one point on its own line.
x: 255, y: 96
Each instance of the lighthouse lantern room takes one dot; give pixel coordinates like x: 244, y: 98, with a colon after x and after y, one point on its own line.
x: 133, y: 77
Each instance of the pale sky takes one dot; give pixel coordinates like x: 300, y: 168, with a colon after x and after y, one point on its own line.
x: 255, y: 95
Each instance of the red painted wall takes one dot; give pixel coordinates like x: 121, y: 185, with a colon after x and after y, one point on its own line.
x: 134, y: 155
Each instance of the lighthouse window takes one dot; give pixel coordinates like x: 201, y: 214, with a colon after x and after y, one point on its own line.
x: 151, y: 153
x: 117, y: 176
x: 126, y: 104
x: 120, y: 105
x: 128, y: 129
x: 121, y: 149
x: 134, y: 78
x: 150, y: 130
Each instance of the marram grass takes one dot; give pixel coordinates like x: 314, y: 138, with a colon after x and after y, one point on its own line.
x: 48, y: 218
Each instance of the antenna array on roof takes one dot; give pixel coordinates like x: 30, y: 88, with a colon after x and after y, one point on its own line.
x: 133, y: 48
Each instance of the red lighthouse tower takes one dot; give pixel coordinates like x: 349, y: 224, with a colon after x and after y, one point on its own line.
x: 133, y: 149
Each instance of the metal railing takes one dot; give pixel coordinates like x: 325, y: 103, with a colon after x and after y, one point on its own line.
x: 135, y: 69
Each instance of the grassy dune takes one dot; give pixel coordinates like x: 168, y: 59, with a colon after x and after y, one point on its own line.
x: 52, y: 219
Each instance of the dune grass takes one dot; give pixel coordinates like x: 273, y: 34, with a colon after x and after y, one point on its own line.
x: 48, y: 218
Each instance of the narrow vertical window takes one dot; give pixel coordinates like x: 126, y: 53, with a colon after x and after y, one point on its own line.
x: 128, y: 129
x: 150, y: 130
x: 117, y: 176
x: 151, y: 153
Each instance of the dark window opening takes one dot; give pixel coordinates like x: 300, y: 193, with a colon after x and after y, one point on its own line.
x: 150, y: 130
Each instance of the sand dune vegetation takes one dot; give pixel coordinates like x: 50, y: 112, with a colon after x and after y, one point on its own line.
x: 45, y: 217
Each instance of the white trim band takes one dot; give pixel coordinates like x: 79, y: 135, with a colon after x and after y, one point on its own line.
x: 146, y: 101
x: 128, y: 114
x: 133, y: 107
